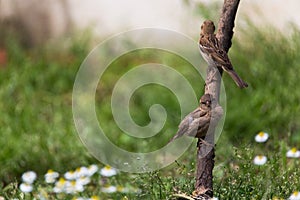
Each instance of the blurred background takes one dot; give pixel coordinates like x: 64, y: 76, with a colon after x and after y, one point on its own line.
x: 43, y: 43
x: 43, y: 20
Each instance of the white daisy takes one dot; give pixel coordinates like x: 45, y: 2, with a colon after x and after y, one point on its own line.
x: 261, y: 137
x: 70, y: 175
x: 109, y: 189
x: 84, y: 180
x: 60, y: 185
x: 94, y: 198
x: 92, y: 169
x: 72, y: 187
x: 29, y: 177
x: 260, y: 160
x: 26, y: 187
x: 293, y: 153
x: 295, y: 196
x: 81, y: 171
x: 51, y: 176
x: 108, y: 171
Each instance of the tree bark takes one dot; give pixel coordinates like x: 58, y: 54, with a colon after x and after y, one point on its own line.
x: 206, y: 150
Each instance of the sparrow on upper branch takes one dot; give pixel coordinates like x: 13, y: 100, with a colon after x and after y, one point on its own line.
x: 213, y: 54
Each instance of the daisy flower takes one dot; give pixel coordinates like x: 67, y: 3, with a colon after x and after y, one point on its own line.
x: 295, y: 196
x: 109, y: 189
x: 261, y: 137
x: 60, y: 185
x: 108, y: 171
x: 51, y: 176
x: 72, y: 187
x: 293, y: 153
x: 81, y: 171
x: 92, y: 169
x: 94, y: 198
x: 26, y: 187
x: 84, y: 180
x: 70, y: 175
x: 260, y: 160
x: 29, y: 177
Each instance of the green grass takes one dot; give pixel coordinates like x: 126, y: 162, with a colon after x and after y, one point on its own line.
x: 38, y: 133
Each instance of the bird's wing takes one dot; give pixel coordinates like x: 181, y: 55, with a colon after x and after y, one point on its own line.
x: 186, y: 122
x: 183, y: 126
x: 198, y: 126
x: 210, y: 45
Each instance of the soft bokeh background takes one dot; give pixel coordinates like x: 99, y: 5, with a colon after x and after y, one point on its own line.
x: 47, y: 19
x: 43, y: 43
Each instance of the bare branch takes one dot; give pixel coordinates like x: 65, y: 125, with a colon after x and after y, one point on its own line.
x: 226, y: 23
x: 206, y: 152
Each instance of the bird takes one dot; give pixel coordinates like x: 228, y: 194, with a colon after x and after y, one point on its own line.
x: 196, y: 123
x: 213, y: 53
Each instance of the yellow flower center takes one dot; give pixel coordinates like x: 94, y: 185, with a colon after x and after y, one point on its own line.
x: 120, y: 188
x: 95, y: 198
x: 294, y: 150
x: 260, y: 157
x: 73, y: 183
x: 61, y: 180
x: 78, y: 169
x: 50, y: 171
x: 107, y: 167
x: 296, y: 193
x: 71, y: 172
x: 261, y: 134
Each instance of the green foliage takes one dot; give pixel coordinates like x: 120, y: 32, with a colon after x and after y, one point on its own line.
x: 269, y: 63
x: 36, y: 123
x: 239, y: 178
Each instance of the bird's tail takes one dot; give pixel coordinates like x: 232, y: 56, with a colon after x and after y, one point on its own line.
x: 237, y: 79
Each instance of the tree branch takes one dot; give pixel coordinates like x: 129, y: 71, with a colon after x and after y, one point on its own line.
x: 206, y: 151
x: 226, y: 23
